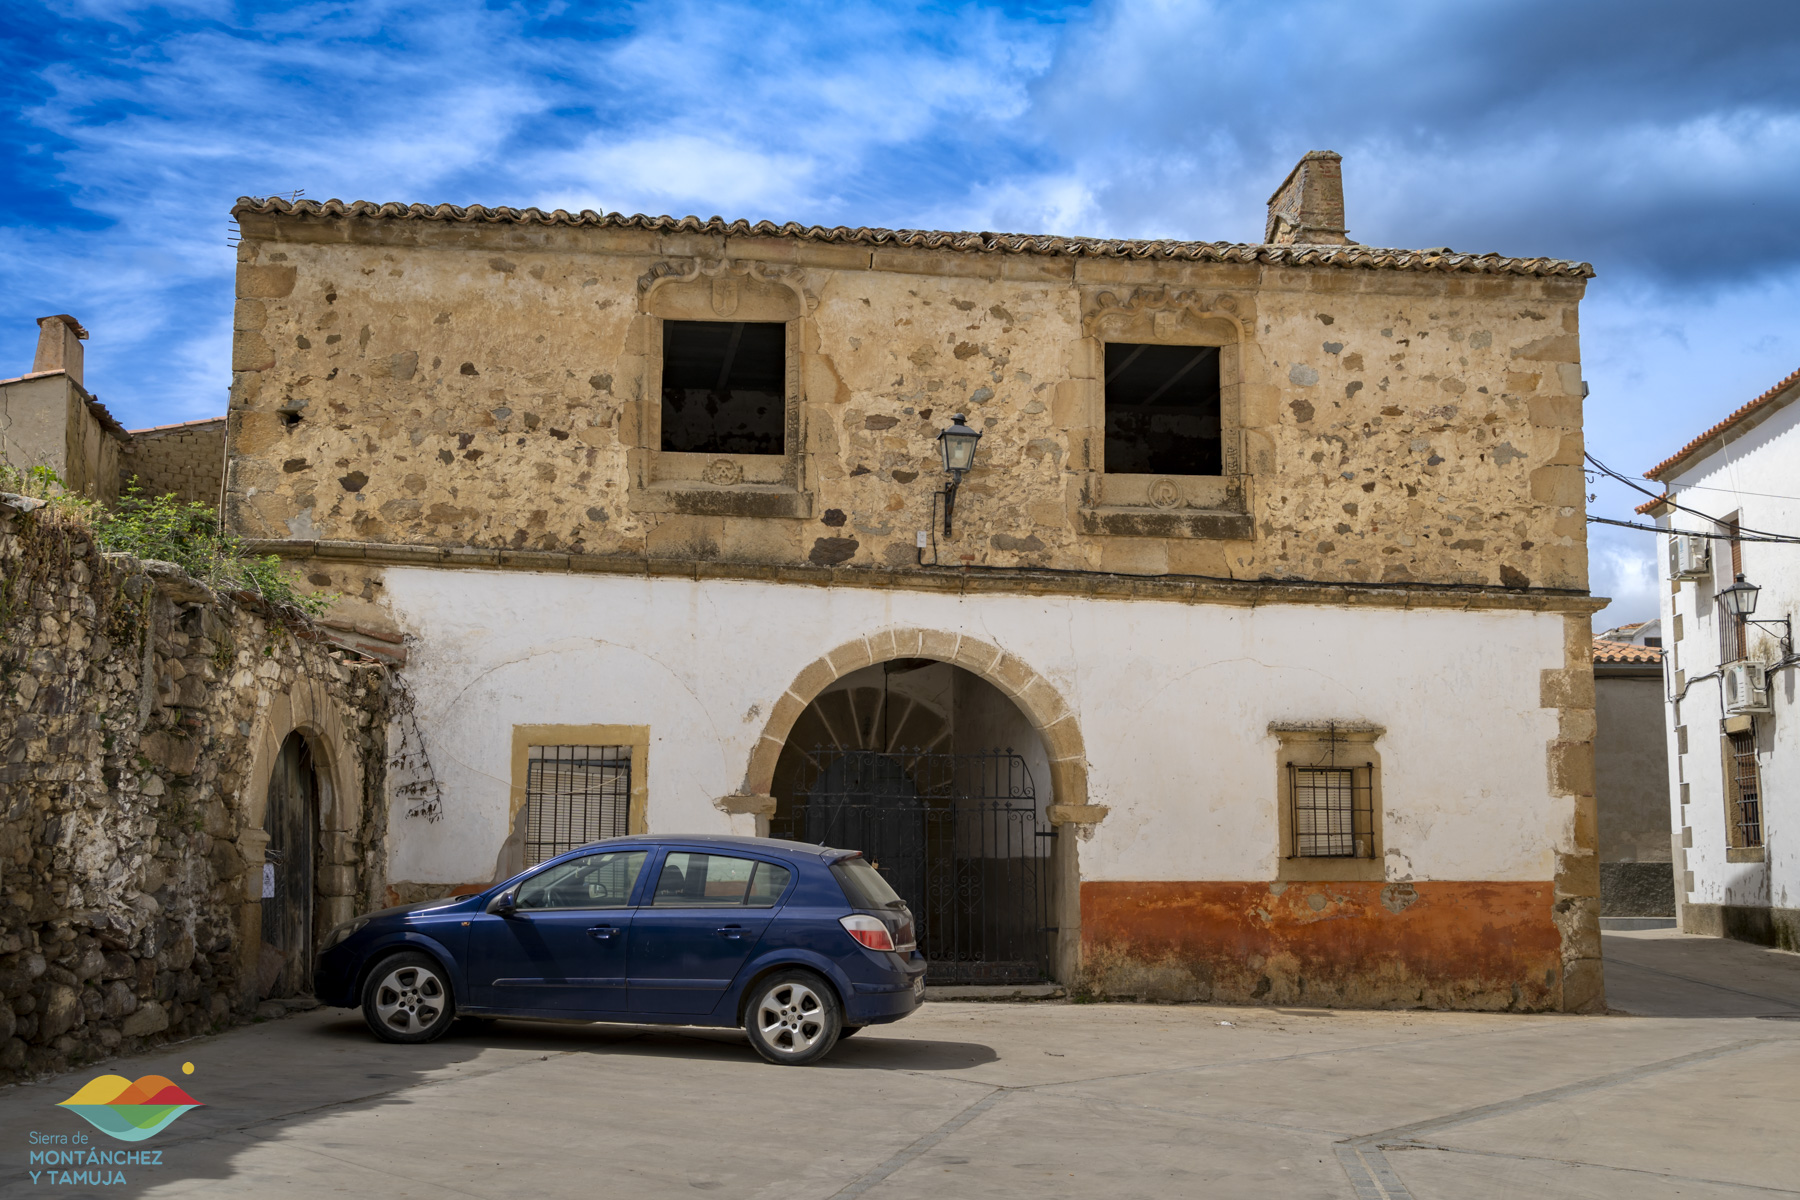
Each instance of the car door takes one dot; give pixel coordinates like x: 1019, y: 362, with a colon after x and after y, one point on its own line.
x: 696, y: 927
x: 561, y: 948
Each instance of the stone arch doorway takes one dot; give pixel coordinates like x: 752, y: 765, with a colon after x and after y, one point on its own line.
x: 840, y: 696
x: 341, y: 884
x: 289, y: 881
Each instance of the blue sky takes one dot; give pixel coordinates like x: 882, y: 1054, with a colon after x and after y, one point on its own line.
x: 1659, y: 141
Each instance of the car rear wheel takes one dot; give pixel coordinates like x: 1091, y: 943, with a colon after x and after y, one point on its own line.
x: 407, y: 999
x: 793, y: 1018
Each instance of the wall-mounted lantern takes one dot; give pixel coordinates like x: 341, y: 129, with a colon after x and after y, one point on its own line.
x: 957, y: 442
x: 1740, y: 601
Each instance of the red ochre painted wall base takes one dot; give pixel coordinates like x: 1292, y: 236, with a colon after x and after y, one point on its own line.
x: 1481, y: 946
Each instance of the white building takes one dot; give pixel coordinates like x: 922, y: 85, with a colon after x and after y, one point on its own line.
x: 1734, y: 747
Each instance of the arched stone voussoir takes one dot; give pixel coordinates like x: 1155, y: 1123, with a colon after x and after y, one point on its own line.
x: 1043, y: 704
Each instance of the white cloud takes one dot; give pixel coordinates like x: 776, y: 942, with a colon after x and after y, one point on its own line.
x: 1622, y: 566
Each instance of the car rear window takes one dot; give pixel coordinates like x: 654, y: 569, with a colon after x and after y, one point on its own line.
x: 863, y: 885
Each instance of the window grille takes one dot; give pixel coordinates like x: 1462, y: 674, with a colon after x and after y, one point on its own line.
x: 1333, y: 811
x: 575, y: 795
x: 1746, y: 792
x: 1734, y: 631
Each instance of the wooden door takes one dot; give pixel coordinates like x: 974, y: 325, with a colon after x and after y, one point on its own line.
x: 287, y: 884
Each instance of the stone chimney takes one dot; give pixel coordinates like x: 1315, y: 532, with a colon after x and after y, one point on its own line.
x: 1308, y: 207
x: 59, y: 346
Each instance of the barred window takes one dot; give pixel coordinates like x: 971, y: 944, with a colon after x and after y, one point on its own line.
x: 1333, y: 813
x: 575, y: 795
x: 1745, y: 791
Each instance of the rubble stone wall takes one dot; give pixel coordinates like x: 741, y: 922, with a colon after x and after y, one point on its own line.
x: 185, y: 460
x: 137, y: 714
x: 496, y: 385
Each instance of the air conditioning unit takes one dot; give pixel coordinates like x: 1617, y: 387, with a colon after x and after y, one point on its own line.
x: 1746, y: 688
x: 1689, y: 556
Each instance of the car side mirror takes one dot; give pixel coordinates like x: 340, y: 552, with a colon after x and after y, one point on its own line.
x: 506, y: 903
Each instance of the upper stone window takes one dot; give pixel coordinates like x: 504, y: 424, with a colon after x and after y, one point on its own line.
x: 1162, y: 410
x: 723, y: 385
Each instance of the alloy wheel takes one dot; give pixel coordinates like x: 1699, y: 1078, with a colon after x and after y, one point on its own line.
x: 791, y: 1018
x: 410, y: 999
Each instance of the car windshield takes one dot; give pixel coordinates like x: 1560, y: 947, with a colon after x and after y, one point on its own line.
x: 864, y: 886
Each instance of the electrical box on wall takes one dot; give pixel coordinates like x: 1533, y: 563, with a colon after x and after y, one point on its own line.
x: 1746, y: 688
x: 1689, y: 556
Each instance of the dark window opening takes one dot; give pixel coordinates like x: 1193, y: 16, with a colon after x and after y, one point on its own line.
x: 1162, y: 410
x: 724, y: 387
x: 1746, y: 792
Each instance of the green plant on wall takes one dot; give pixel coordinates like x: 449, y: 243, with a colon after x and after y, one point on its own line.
x: 188, y: 535
x: 171, y: 530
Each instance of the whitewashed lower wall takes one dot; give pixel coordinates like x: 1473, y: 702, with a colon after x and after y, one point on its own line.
x: 1174, y: 702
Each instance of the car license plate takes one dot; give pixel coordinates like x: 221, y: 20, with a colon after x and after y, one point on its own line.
x: 919, y: 986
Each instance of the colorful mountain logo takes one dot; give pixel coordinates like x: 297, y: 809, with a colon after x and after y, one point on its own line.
x: 130, y: 1110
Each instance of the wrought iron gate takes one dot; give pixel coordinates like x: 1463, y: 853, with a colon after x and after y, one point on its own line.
x: 959, y: 836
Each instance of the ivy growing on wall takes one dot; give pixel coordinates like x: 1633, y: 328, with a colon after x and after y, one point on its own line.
x: 415, y: 781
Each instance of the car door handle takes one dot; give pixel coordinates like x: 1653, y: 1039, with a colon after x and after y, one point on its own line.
x: 731, y: 931
x: 600, y: 933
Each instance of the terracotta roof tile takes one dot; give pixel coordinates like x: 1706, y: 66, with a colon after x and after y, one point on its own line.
x: 1440, y: 259
x: 1768, y: 398
x: 1625, y: 652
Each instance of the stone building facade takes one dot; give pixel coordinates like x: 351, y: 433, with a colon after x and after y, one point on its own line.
x: 1258, y: 538
x: 48, y: 418
x: 185, y: 460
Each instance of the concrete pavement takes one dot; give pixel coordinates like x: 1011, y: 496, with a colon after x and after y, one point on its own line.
x: 1003, y: 1100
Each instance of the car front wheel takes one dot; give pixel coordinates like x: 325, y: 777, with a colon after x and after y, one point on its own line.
x: 793, y: 1018
x: 407, y: 999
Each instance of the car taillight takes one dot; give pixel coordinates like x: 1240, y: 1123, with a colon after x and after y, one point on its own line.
x: 871, y: 932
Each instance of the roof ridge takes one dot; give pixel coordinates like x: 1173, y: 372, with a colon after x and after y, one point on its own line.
x: 1302, y: 254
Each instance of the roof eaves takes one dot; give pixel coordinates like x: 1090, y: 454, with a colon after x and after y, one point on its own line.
x: 1607, y: 652
x: 1346, y: 256
x: 1769, y: 401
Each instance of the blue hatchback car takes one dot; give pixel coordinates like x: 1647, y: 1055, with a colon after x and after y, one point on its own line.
x: 798, y: 944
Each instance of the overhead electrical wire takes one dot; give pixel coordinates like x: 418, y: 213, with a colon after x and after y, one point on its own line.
x: 1717, y: 537
x: 1743, y: 533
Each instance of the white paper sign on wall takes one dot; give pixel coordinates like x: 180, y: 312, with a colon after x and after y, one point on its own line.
x: 268, y: 881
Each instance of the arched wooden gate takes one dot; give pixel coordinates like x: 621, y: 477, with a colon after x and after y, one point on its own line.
x: 288, y: 891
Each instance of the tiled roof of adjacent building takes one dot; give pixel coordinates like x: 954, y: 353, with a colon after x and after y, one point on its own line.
x: 194, y: 424
x: 1776, y: 396
x: 1625, y: 652
x: 1438, y: 259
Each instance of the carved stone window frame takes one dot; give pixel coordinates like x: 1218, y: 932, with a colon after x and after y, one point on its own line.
x: 732, y: 485
x: 1182, y: 506
x: 1328, y: 744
